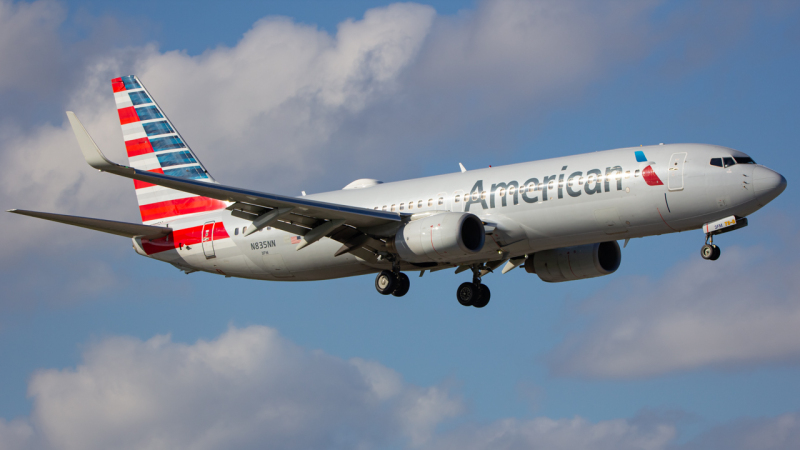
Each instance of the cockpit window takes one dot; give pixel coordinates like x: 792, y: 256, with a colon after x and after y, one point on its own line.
x: 727, y: 162
x: 744, y: 160
x: 716, y: 162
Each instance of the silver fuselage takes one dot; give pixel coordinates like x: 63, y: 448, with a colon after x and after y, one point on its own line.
x: 545, y: 204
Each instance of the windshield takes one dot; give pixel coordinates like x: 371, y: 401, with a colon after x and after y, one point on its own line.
x: 744, y: 160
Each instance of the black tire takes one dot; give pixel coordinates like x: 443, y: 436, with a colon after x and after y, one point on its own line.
x: 483, y: 299
x: 467, y: 294
x: 403, y: 284
x: 385, y: 282
x: 715, y: 254
x: 707, y: 252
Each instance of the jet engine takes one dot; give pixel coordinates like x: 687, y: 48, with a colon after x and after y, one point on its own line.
x: 438, y: 238
x: 575, y: 263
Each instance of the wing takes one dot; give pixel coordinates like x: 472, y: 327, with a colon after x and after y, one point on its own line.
x: 357, y: 228
x: 106, y: 226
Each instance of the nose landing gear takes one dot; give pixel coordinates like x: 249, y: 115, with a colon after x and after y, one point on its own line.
x: 475, y: 293
x: 710, y: 251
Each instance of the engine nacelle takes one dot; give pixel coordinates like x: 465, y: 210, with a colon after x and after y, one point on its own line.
x: 575, y: 263
x: 440, y: 238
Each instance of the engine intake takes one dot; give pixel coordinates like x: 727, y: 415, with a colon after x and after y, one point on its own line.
x: 441, y: 237
x: 575, y: 263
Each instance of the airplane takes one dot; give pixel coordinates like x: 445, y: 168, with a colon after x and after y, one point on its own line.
x: 558, y: 218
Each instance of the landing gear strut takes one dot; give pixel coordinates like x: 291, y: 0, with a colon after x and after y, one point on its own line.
x: 474, y: 294
x: 392, y: 282
x: 710, y: 251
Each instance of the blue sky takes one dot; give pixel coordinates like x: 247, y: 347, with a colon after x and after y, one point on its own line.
x: 93, y: 337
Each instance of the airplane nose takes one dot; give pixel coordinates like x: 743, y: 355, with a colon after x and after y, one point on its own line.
x: 767, y: 184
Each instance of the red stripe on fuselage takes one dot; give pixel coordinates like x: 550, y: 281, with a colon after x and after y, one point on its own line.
x: 186, y: 236
x: 143, y: 184
x: 178, y: 207
x: 138, y: 147
x: 117, y: 85
x: 127, y: 115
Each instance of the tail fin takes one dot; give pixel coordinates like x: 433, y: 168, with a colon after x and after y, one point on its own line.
x: 154, y: 145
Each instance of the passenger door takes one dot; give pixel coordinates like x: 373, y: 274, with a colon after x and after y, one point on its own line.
x: 207, y: 239
x: 675, y: 169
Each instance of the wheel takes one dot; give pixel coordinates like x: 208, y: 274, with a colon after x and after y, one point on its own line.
x: 715, y: 254
x: 467, y: 294
x: 385, y: 282
x: 707, y: 252
x: 483, y: 299
x: 402, y: 285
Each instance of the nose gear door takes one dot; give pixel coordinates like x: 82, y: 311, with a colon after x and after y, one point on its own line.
x: 208, y: 240
x: 675, y: 176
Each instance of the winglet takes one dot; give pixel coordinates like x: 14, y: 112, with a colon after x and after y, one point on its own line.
x: 90, y: 151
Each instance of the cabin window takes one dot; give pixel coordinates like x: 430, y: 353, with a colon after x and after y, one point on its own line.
x: 236, y: 232
x: 483, y: 195
x: 441, y: 201
x: 636, y: 174
x: 393, y: 206
x: 401, y: 206
x: 727, y: 162
x: 430, y: 202
x: 511, y: 190
x: 457, y: 198
x: 551, y: 184
x: 244, y: 229
x: 502, y: 192
x: 475, y: 196
x: 410, y: 205
x: 383, y: 207
x: 628, y: 174
x: 744, y: 160
x: 419, y: 204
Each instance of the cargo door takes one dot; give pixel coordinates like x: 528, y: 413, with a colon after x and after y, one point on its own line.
x: 276, y: 266
x: 207, y: 239
x: 675, y: 176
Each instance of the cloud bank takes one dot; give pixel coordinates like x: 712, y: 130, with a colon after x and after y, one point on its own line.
x: 251, y: 388
x: 292, y: 107
x: 740, y: 311
x: 244, y: 389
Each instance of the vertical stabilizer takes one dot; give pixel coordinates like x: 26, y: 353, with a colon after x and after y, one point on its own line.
x: 153, y: 144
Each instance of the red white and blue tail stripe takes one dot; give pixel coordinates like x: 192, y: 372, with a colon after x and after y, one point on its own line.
x: 155, y: 145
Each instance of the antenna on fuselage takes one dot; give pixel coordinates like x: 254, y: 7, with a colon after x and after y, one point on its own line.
x: 462, y: 167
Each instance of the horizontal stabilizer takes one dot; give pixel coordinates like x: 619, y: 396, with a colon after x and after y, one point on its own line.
x: 106, y: 226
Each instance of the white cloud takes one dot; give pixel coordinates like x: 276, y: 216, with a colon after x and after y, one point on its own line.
x: 766, y: 433
x: 249, y: 388
x: 739, y: 311
x: 30, y: 48
x: 567, y: 434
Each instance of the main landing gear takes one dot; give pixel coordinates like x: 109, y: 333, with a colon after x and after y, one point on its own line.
x: 475, y: 293
x: 710, y: 251
x: 395, y: 283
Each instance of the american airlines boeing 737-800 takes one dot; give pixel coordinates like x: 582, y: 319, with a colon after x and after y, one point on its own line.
x: 559, y: 218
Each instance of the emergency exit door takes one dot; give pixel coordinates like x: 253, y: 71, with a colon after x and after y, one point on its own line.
x: 675, y: 170
x: 207, y: 239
